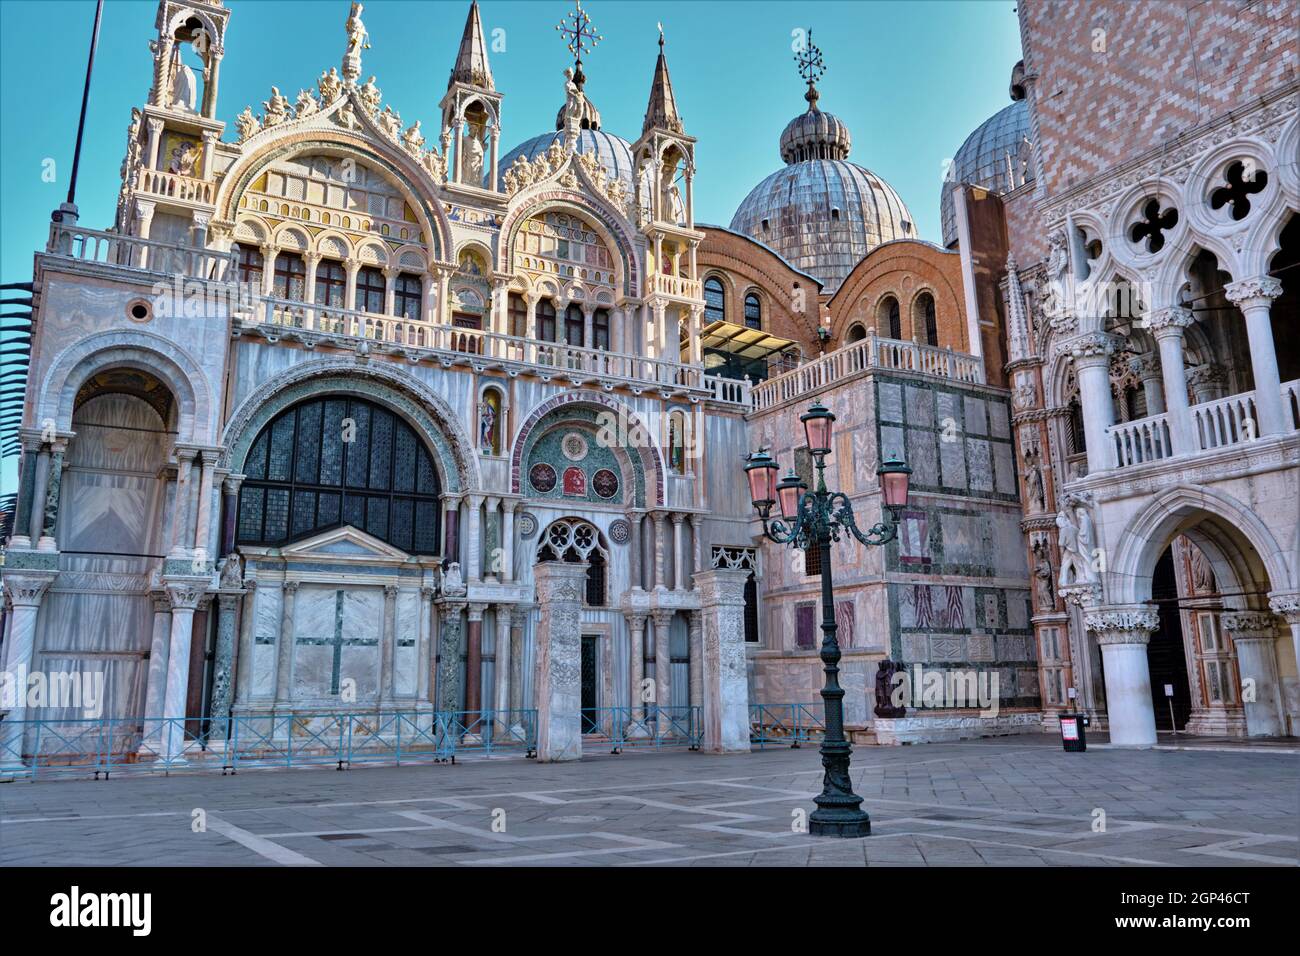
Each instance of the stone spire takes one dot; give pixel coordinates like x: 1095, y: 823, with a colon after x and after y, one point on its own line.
x: 472, y: 61
x: 1017, y: 320
x: 662, y: 111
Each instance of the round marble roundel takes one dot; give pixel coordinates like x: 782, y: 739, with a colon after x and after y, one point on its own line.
x: 573, y: 446
x: 605, y: 483
x: 542, y: 477
x: 619, y: 531
x: 527, y: 525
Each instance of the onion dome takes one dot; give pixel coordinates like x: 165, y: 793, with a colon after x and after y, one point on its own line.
x: 822, y: 213
x: 996, y: 157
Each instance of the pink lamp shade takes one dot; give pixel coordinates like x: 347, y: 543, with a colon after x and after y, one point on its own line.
x: 760, y: 470
x: 894, y: 478
x: 817, y: 428
x: 788, y: 493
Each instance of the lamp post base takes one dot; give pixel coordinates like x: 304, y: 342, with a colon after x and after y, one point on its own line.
x: 839, y: 823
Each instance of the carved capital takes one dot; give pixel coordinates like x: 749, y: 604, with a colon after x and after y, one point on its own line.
x: 1093, y: 347
x: 1247, y: 624
x: 186, y: 593
x: 1287, y: 604
x: 1256, y: 291
x: 26, y: 589
x: 1169, y: 321
x: 1123, y: 624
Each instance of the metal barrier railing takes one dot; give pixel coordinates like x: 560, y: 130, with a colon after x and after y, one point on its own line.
x: 39, y: 747
x: 655, y: 728
x: 789, y: 725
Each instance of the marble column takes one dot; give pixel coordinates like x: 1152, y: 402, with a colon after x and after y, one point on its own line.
x: 387, y: 646
x: 1092, y: 353
x: 247, y: 628
x: 679, y: 552
x: 697, y: 546
x: 1287, y: 604
x: 492, y: 537
x: 181, y: 501
x: 474, y: 539
x: 25, y: 591
x: 508, y: 539
x: 40, y: 489
x: 1254, y: 297
x: 660, y: 520
x: 518, y: 622
x: 559, y: 660
x: 156, y: 682
x: 634, y: 549
x: 222, y: 677
x: 27, y: 484
x: 724, y: 681
x: 1253, y: 637
x: 636, y: 675
x: 695, y: 645
x: 663, y: 666
x: 1167, y: 326
x: 474, y: 664
x: 202, y: 530
x: 502, y: 670
x: 426, y: 615
x: 284, y: 645
x: 451, y: 530
x: 184, y: 594
x: 1153, y: 387
x: 448, y: 690
x: 1123, y: 632
x: 230, y: 511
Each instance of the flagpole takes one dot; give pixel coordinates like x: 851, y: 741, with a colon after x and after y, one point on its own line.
x: 70, y: 207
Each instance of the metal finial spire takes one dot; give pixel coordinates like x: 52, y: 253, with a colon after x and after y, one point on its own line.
x: 661, y: 36
x: 811, y: 67
x: 580, y: 38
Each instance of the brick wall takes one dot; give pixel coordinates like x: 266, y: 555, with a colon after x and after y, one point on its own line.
x: 1116, y: 78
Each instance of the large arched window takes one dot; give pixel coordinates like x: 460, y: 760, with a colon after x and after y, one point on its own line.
x: 406, y: 296
x: 888, y: 320
x: 331, y: 461
x: 856, y: 332
x: 250, y: 266
x: 753, y: 311
x: 600, y: 329
x: 923, y: 317
x: 715, y: 300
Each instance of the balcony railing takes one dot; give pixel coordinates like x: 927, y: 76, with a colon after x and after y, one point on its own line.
x: 1225, y: 421
x: 677, y: 286
x: 1146, y: 439
x: 400, y: 333
x: 132, y: 252
x: 1221, y: 423
x: 872, y: 352
x: 165, y: 185
x: 731, y: 390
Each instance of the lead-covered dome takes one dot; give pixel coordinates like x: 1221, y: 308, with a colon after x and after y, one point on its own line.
x: 996, y: 157
x: 822, y: 213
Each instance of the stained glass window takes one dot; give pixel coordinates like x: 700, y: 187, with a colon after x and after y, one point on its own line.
x: 290, y: 277
x: 331, y: 283
x: 406, y: 298
x: 332, y: 461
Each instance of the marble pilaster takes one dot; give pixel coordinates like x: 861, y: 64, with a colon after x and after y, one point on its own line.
x: 559, y: 660
x: 724, y: 683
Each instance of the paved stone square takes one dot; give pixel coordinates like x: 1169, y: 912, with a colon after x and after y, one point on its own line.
x: 1016, y: 801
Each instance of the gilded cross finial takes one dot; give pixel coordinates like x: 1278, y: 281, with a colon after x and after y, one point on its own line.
x: 580, y: 37
x: 811, y: 67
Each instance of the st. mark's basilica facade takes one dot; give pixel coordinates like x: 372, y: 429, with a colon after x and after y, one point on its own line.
x: 346, y: 415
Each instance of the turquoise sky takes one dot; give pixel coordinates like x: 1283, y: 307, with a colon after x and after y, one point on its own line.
x: 911, y: 79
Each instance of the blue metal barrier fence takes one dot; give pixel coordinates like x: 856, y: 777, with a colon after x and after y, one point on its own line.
x: 40, y: 747
x: 654, y: 728
x: 786, y: 725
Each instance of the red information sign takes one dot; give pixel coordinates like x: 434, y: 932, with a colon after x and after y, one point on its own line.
x: 1069, y: 728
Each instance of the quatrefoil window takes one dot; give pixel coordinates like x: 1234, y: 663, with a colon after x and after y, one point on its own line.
x: 1241, y: 185
x: 1155, y: 222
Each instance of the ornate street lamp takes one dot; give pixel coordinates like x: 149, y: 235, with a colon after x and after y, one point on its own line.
x: 813, y: 520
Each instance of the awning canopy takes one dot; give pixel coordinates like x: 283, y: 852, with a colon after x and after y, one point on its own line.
x: 742, y: 342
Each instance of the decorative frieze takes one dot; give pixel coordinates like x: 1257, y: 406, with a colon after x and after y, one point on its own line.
x: 1123, y: 624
